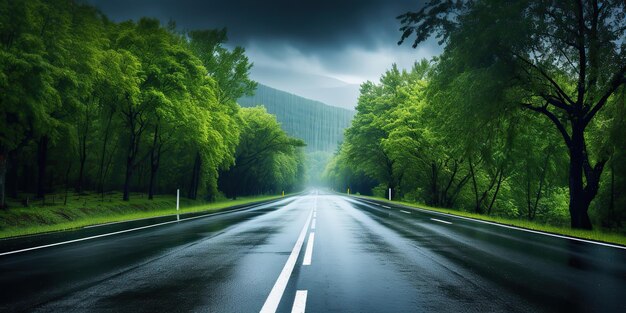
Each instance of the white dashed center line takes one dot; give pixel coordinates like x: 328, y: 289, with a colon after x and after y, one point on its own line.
x: 273, y: 299
x: 313, y: 224
x: 299, y: 304
x: 403, y: 211
x: 440, y: 221
x: 309, y: 250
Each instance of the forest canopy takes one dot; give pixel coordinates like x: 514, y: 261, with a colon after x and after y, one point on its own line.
x: 523, y: 115
x: 91, y: 105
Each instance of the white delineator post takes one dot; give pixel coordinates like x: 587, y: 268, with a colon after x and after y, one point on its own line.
x: 389, y: 194
x: 177, y: 204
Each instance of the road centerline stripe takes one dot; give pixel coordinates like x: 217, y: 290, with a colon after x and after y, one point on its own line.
x: 440, y: 221
x: 406, y: 212
x: 273, y: 299
x: 299, y: 304
x: 313, y: 224
x: 309, y: 249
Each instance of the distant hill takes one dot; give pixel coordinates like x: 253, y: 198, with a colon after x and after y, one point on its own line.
x: 321, y: 88
x: 321, y: 126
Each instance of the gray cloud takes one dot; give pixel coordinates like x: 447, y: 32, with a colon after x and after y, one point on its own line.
x: 349, y: 40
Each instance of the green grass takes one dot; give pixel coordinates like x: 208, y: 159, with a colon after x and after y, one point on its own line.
x: 595, y: 235
x: 91, y: 209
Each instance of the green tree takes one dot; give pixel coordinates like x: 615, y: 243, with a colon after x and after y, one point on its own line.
x: 563, y: 60
x: 266, y: 159
x: 230, y: 71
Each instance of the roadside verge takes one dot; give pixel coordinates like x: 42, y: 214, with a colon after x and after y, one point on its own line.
x: 21, y: 222
x: 594, y: 236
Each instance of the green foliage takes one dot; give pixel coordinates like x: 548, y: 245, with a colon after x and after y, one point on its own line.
x: 89, y: 209
x: 449, y: 149
x: 267, y: 160
x: 559, y: 61
x: 88, y: 104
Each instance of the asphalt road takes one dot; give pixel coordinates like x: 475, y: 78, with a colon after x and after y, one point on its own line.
x: 314, y: 252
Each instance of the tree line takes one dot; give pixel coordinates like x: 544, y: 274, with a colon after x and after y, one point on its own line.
x: 87, y: 104
x: 523, y: 115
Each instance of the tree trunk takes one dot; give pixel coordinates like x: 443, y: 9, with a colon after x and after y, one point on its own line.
x: 130, y: 160
x: 195, y: 178
x: 434, y: 187
x: 102, y: 156
x: 478, y: 208
x: 83, y: 158
x: 155, y: 156
x: 129, y: 173
x: 11, y: 179
x: 579, y: 199
x: 495, y: 193
x: 445, y: 200
x: 3, y: 172
x: 42, y: 156
x: 67, y: 181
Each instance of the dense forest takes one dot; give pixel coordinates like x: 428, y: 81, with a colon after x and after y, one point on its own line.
x: 523, y: 115
x: 89, y: 105
x: 321, y: 126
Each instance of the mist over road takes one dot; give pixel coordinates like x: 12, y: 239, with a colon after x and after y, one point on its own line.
x: 315, y: 252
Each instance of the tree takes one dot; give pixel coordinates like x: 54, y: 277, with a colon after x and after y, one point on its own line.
x: 563, y: 60
x: 368, y: 129
x: 266, y: 159
x: 230, y: 72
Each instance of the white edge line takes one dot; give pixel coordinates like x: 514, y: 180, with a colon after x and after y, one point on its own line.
x: 440, y: 221
x: 273, y: 299
x: 403, y: 211
x: 87, y: 238
x: 518, y: 228
x: 309, y: 249
x: 124, y: 231
x: 299, y: 303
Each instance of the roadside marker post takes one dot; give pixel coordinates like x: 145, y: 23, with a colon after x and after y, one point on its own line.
x: 348, y: 191
x: 177, y: 204
x: 389, y: 194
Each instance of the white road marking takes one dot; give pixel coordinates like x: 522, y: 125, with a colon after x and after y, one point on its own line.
x: 314, y: 214
x: 273, y: 299
x: 313, y: 224
x: 403, y: 211
x: 384, y: 206
x: 299, y: 304
x: 309, y: 249
x: 517, y: 228
x: 87, y: 238
x: 506, y: 226
x: 440, y: 221
x: 126, y: 230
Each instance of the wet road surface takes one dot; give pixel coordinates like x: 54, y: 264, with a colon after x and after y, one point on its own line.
x: 314, y: 253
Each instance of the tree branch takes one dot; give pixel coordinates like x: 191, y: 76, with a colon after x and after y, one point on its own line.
x: 544, y: 110
x: 546, y: 76
x: 617, y: 80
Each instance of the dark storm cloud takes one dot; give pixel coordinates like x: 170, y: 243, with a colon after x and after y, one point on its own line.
x: 322, y: 24
x: 304, y: 47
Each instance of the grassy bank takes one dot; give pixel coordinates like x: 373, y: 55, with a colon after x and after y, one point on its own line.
x: 86, y: 210
x: 595, y: 235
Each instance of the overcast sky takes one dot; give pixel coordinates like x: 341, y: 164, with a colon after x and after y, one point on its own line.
x: 319, y: 49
